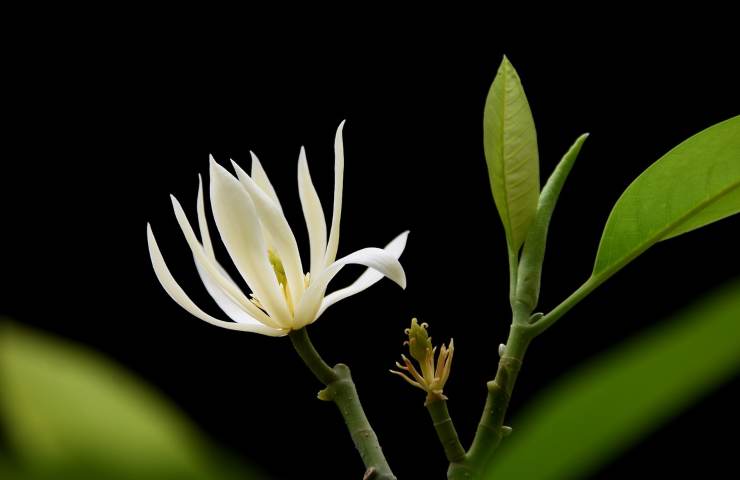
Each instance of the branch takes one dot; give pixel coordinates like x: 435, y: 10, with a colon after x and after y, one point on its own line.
x: 446, y: 432
x: 341, y: 390
x: 491, y: 429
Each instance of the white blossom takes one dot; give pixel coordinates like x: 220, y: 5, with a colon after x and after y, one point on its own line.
x: 261, y: 244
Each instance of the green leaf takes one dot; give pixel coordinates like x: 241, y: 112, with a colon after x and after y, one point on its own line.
x: 533, y: 254
x: 610, y: 403
x: 510, y: 144
x: 66, y: 409
x: 696, y: 183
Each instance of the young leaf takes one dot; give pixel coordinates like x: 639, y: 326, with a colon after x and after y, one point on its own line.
x: 530, y: 267
x: 66, y: 409
x: 610, y: 403
x: 510, y: 145
x: 696, y: 183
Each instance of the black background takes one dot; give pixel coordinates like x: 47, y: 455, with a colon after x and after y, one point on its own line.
x: 109, y: 118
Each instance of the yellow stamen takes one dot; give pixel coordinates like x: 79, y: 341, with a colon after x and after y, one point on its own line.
x: 277, y: 265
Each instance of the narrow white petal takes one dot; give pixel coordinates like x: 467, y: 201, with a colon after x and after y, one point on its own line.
x: 273, y: 221
x: 333, y: 243
x: 222, y: 299
x: 260, y: 178
x: 313, y: 213
x: 372, y: 257
x: 368, y: 278
x: 213, y: 285
x: 203, y: 222
x: 215, y: 272
x: 241, y: 233
x: 180, y: 297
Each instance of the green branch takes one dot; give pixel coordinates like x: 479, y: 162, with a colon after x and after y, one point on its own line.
x: 341, y: 390
x: 491, y: 429
x: 446, y: 432
x: 548, y: 320
x: 524, y: 286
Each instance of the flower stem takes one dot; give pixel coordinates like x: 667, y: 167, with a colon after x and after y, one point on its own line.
x: 446, y: 432
x: 312, y: 359
x: 341, y: 390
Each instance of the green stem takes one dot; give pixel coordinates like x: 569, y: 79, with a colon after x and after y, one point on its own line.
x: 548, y: 320
x: 491, y: 428
x: 446, y: 432
x: 341, y: 390
x: 513, y: 272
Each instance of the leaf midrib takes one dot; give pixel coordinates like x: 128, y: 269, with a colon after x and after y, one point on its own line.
x: 607, y: 272
x: 504, y: 173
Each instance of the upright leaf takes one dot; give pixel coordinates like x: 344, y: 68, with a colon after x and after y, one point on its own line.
x: 533, y: 254
x: 610, y: 403
x: 510, y: 145
x: 68, y: 410
x: 696, y: 183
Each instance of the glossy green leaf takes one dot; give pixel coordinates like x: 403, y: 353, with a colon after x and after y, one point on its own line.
x: 602, y: 408
x: 66, y: 409
x: 510, y: 144
x: 696, y: 183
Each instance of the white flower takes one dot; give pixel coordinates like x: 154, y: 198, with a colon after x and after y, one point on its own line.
x: 261, y: 244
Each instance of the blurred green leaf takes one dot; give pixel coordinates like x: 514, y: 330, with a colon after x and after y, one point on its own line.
x: 70, y: 413
x: 510, y: 144
x: 600, y: 409
x: 696, y: 183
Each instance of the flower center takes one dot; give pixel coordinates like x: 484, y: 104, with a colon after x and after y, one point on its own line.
x: 277, y: 266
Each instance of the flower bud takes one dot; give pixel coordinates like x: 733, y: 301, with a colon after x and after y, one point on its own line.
x: 431, y: 375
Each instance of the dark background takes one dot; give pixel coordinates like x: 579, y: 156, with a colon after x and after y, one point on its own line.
x: 109, y: 118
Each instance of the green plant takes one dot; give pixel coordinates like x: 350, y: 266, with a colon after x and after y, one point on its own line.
x: 694, y: 184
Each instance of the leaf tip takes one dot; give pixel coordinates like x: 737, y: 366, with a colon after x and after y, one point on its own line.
x: 505, y: 62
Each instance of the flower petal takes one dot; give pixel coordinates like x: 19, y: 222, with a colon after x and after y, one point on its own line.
x: 368, y: 278
x: 203, y: 222
x: 313, y: 213
x: 222, y: 299
x: 260, y: 178
x: 217, y: 274
x: 372, y: 257
x: 180, y: 297
x: 274, y: 222
x: 220, y: 295
x: 333, y: 243
x: 239, y: 226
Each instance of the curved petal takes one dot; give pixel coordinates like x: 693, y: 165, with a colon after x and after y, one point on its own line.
x: 313, y: 213
x: 273, y: 221
x: 222, y: 299
x: 215, y: 272
x: 220, y: 295
x: 333, y: 243
x: 372, y: 257
x: 368, y: 278
x: 260, y: 178
x: 241, y: 233
x: 203, y: 222
x: 180, y: 297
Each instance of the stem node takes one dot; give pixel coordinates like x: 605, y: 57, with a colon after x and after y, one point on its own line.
x: 341, y: 390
